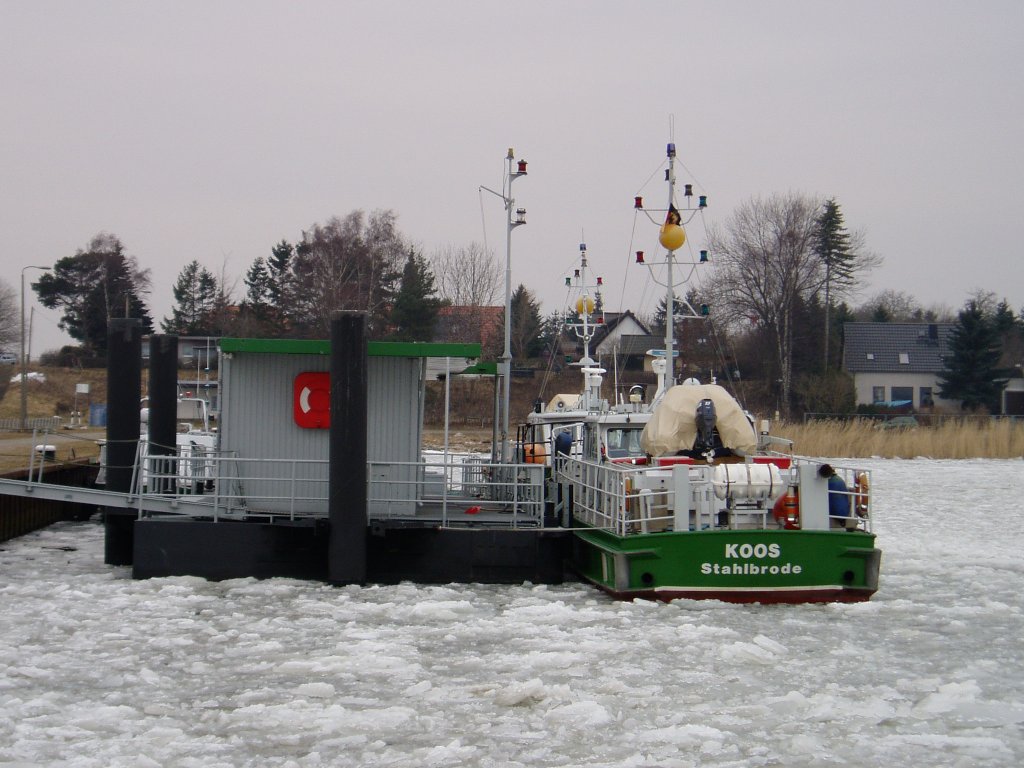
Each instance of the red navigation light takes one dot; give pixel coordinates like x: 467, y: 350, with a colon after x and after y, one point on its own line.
x: 688, y: 190
x: 600, y: 281
x: 639, y: 257
x: 638, y: 202
x: 522, y: 166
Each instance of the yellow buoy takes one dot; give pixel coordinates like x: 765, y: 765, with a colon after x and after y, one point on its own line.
x: 672, y: 236
x: 584, y: 305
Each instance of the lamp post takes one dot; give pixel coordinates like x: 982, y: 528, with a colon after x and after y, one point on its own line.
x: 24, y: 362
x: 511, y: 175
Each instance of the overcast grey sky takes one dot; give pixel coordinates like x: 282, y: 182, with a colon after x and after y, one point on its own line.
x: 212, y: 130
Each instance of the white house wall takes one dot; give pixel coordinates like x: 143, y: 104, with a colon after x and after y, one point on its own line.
x: 627, y: 326
x: 866, y: 382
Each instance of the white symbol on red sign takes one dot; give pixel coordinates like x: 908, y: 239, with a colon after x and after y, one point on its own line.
x: 311, y: 403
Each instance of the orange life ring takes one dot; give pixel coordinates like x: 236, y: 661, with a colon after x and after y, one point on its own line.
x: 861, y: 494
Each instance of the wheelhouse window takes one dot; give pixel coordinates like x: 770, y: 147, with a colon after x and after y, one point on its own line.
x: 621, y: 442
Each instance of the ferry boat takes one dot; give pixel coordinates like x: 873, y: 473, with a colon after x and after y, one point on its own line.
x: 705, y: 507
x: 701, y: 504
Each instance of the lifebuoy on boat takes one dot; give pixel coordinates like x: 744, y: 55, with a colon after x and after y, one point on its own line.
x: 861, y: 494
x: 786, y: 510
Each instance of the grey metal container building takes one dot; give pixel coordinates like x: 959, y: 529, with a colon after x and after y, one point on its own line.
x: 260, y: 381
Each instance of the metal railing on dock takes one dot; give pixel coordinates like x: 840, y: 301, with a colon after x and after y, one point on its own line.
x: 442, y: 490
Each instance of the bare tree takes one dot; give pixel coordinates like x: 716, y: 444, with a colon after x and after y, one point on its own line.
x: 10, y: 330
x: 467, y: 276
x: 224, y: 311
x: 349, y: 263
x: 889, y: 305
x: 765, y: 265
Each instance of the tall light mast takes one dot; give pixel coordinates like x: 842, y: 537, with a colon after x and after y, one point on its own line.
x: 505, y: 368
x: 672, y: 236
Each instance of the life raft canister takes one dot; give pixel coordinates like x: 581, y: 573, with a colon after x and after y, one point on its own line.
x: 786, y: 510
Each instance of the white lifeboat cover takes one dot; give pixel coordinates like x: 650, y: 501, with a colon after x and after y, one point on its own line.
x: 672, y: 426
x: 565, y: 402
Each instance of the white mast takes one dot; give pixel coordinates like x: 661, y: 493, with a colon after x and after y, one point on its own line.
x: 584, y: 329
x: 670, y: 303
x: 505, y: 369
x: 672, y: 237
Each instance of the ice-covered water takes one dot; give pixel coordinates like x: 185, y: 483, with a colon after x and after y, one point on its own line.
x: 99, y: 670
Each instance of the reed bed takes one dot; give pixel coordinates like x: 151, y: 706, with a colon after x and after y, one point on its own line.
x: 951, y: 439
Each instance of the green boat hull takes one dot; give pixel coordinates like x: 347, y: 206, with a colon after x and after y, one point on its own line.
x: 741, y: 566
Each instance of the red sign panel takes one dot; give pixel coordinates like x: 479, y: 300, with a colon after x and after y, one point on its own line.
x: 311, y: 400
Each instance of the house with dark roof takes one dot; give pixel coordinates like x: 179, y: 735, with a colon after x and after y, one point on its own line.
x: 897, y: 363
x: 622, y: 335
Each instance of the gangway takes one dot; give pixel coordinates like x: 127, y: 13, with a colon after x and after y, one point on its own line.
x: 146, y: 503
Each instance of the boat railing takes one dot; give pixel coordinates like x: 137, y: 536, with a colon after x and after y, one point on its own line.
x: 624, y: 499
x: 853, y: 505
x: 607, y: 495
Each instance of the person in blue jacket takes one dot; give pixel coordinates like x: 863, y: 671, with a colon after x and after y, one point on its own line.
x: 838, y: 495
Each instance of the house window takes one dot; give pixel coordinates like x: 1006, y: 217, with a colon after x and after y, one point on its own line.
x: 878, y: 394
x: 903, y: 393
x: 904, y: 358
x: 925, y: 395
x: 871, y: 355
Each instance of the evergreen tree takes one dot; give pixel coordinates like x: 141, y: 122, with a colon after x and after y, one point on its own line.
x: 551, y: 333
x: 95, y: 285
x: 526, y: 324
x: 832, y: 245
x: 808, y: 319
x: 197, y: 301
x: 271, y: 303
x: 278, y: 270
x: 416, y: 304
x: 1004, y: 321
x: 678, y: 310
x: 683, y: 310
x: 881, y: 314
x: 841, y: 315
x: 1011, y: 335
x: 257, y: 288
x: 971, y: 373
